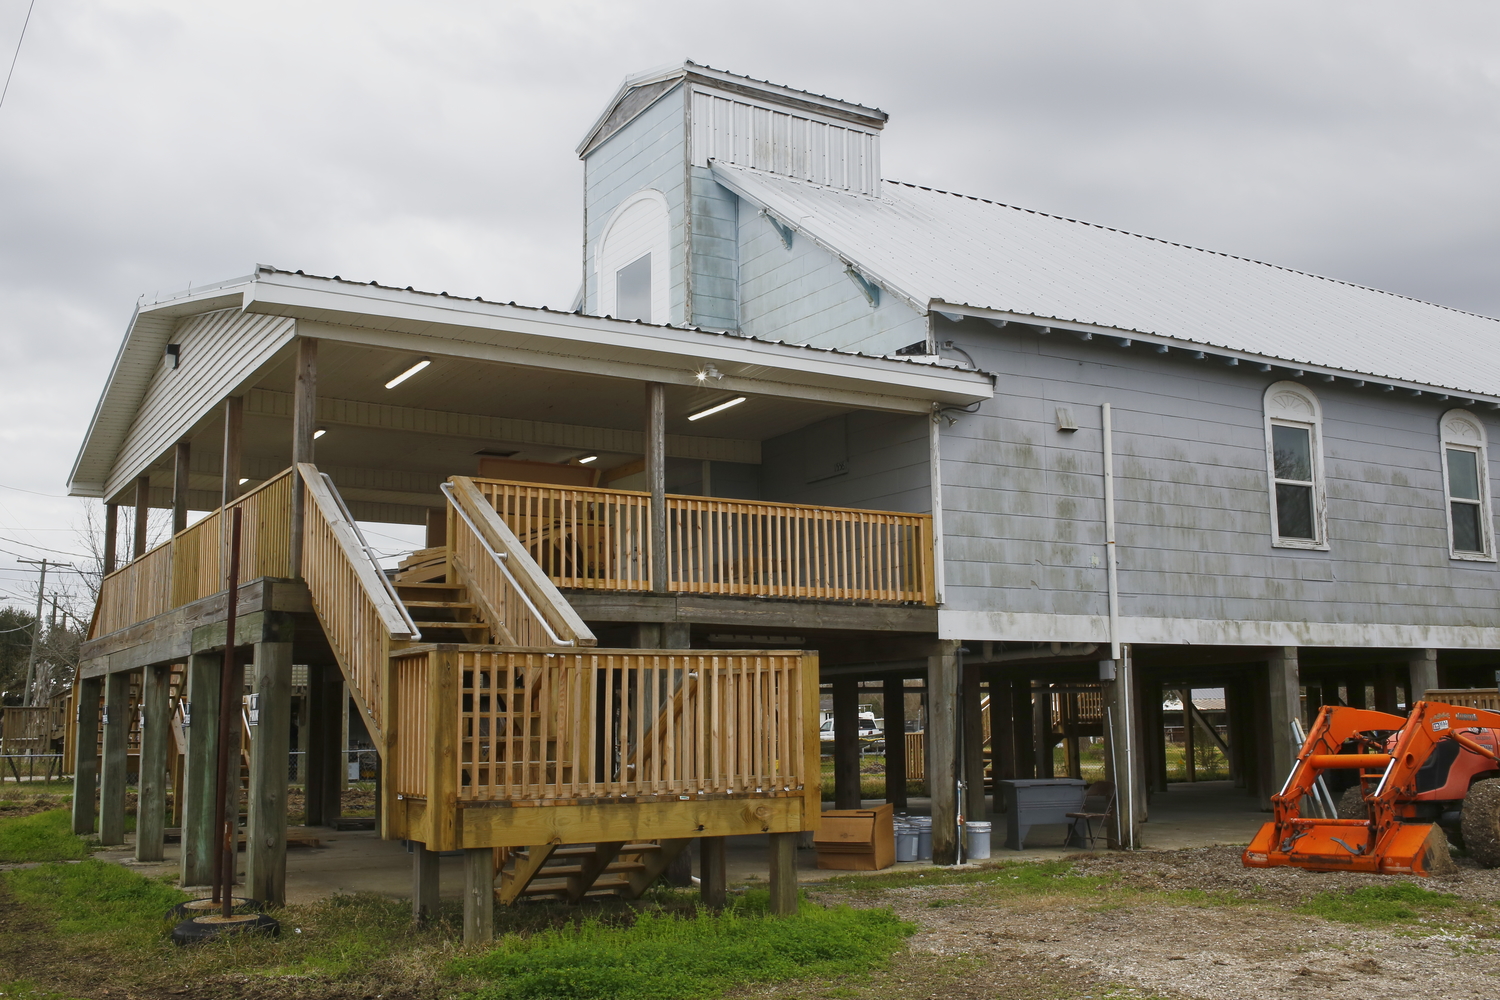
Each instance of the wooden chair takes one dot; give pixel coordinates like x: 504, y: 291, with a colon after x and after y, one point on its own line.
x: 1098, y: 804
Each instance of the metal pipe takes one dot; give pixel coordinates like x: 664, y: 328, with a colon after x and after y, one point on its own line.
x: 224, y: 857
x: 1112, y: 570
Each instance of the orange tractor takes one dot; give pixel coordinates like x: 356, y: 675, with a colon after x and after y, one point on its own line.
x: 1412, y: 784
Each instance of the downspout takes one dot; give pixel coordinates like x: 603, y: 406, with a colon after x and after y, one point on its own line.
x: 1119, y: 663
x: 935, y: 477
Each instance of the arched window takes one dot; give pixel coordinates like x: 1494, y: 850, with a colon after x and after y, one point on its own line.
x: 1294, y: 460
x: 1466, y: 486
x: 632, y: 260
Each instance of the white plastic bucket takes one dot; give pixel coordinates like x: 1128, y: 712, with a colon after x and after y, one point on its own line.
x: 923, y: 826
x: 978, y: 834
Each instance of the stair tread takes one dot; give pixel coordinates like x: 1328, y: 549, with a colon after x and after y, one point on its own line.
x: 580, y: 851
x: 438, y: 604
x: 563, y: 871
x: 457, y: 625
x: 429, y: 586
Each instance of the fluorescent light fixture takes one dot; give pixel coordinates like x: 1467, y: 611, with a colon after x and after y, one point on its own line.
x: 243, y: 481
x: 319, y: 433
x: 717, y: 409
x: 587, y: 459
x: 408, y: 373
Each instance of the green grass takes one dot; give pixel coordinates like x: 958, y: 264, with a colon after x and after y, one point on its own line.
x: 26, y: 990
x: 662, y: 956
x: 1379, y: 904
x: 98, y: 899
x: 44, y: 836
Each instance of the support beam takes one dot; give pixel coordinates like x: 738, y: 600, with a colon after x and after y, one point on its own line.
x: 234, y: 448
x: 304, y: 420
x: 1422, y: 668
x: 112, y: 771
x: 156, y: 738
x: 325, y: 729
x: 1002, y: 738
x: 265, y: 831
x: 1122, y: 750
x: 86, y: 755
x: 1041, y: 727
x: 111, y: 536
x: 846, y: 743
x: 895, y: 742
x: 424, y: 883
x: 973, y: 748
x: 713, y: 873
x: 200, y: 761
x: 942, y: 751
x: 182, y: 457
x: 1285, y: 691
x: 479, y: 895
x: 783, y: 876
x: 142, y: 515
x: 1021, y: 729
x: 656, y: 480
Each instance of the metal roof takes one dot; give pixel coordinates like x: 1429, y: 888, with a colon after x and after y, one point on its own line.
x: 938, y: 249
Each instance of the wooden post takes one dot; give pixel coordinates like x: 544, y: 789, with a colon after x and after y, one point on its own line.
x: 846, y: 743
x: 304, y: 423
x: 1022, y: 729
x: 783, y: 874
x: 713, y: 873
x: 973, y: 748
x: 656, y: 480
x: 443, y: 698
x: 437, y: 527
x: 479, y: 895
x: 156, y: 739
x: 112, y: 776
x: 1385, y: 688
x: 1286, y: 705
x: 142, y: 513
x: 1186, y: 694
x: 1070, y: 734
x: 325, y: 688
x: 1122, y: 756
x: 265, y: 834
x: 199, y: 769
x: 1041, y: 727
x: 895, y: 742
x: 424, y: 883
x: 1002, y: 739
x: 1423, y: 671
x: 942, y: 751
x: 234, y: 437
x: 86, y: 754
x: 111, y: 536
x: 182, y: 460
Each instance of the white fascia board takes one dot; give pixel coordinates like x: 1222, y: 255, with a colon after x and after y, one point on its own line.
x: 1206, y: 347
x: 146, y: 336
x: 409, y: 321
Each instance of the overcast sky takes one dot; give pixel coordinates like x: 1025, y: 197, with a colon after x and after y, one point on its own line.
x: 146, y: 146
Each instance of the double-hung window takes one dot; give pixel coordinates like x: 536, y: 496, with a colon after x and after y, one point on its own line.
x: 1466, y: 486
x: 1294, y: 457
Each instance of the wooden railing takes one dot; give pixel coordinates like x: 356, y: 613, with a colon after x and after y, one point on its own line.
x: 514, y: 597
x: 594, y: 539
x: 199, y: 552
x: 582, y: 538
x: 356, y: 606
x: 557, y: 726
x: 190, y: 565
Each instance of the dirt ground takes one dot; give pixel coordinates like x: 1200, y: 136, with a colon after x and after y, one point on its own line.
x: 1248, y: 944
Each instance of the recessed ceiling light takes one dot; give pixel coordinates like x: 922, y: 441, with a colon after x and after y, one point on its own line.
x: 408, y: 373
x: 717, y: 409
x: 319, y: 433
x: 243, y: 481
x: 587, y: 459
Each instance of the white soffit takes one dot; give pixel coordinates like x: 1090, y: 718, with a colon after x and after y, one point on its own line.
x: 944, y: 249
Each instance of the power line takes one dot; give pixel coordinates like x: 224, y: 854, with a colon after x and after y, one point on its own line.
x: 34, y: 545
x: 18, y: 489
x: 2, y: 104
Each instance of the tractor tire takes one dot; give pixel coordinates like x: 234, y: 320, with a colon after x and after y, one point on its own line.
x: 1481, y: 822
x: 1352, y: 804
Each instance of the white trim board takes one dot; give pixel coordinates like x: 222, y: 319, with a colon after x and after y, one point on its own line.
x: 1004, y: 626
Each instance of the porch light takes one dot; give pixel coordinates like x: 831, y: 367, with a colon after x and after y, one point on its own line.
x: 708, y: 372
x: 244, y: 481
x: 587, y: 459
x: 717, y: 409
x: 408, y: 373
x: 319, y: 433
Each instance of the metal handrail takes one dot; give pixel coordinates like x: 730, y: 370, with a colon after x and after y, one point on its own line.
x: 390, y: 589
x: 500, y: 559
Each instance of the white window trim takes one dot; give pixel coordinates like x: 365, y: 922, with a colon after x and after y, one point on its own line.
x: 608, y: 259
x: 1292, y: 404
x: 1460, y: 429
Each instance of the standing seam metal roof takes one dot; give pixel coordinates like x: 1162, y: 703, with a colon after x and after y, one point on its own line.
x: 936, y: 248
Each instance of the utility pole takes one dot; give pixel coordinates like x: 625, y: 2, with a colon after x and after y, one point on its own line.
x: 36, y: 626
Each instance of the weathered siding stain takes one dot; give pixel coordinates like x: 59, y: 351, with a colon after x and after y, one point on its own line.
x: 888, y: 466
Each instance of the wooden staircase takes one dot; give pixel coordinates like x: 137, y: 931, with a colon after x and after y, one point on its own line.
x: 442, y: 611
x: 572, y: 872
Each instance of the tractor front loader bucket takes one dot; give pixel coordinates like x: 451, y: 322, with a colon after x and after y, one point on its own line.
x: 1331, y: 845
